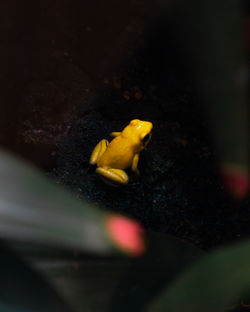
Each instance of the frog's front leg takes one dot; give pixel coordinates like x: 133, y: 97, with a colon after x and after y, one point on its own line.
x: 98, y: 151
x: 135, y: 164
x: 113, y: 175
x: 114, y: 134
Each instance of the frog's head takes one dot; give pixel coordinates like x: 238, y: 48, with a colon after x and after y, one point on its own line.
x: 141, y: 131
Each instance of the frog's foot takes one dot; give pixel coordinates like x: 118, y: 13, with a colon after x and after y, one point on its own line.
x: 112, y: 176
x: 98, y: 151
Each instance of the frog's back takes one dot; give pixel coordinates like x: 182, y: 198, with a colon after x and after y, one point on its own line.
x: 119, y: 154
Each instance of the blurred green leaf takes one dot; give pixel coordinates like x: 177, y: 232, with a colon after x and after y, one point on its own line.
x: 213, y: 35
x: 215, y: 282
x: 100, y: 284
x: 165, y: 258
x: 6, y: 308
x: 33, y: 209
x: 23, y: 289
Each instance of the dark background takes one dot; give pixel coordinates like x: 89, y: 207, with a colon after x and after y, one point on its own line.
x: 72, y: 71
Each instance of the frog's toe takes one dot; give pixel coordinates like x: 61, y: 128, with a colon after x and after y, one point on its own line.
x: 113, y: 175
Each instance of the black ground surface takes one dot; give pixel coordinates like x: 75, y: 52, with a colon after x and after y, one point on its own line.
x: 179, y: 191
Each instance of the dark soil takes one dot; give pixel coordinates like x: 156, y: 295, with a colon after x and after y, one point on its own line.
x: 179, y: 191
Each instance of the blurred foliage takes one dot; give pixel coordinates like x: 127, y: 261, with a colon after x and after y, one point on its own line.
x: 49, y: 228
x: 103, y: 283
x: 34, y: 209
x: 216, y: 281
x: 24, y: 290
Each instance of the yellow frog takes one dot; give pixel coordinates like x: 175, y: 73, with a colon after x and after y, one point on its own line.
x: 122, y: 152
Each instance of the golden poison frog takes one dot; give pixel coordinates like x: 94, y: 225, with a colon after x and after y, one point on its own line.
x: 112, y: 158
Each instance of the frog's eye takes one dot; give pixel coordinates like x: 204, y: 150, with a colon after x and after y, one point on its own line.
x: 146, y: 138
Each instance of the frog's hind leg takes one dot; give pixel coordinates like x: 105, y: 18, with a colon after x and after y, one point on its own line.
x: 112, y: 176
x: 98, y: 151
